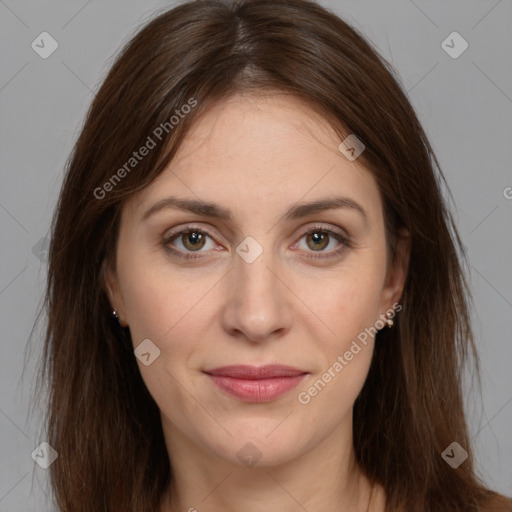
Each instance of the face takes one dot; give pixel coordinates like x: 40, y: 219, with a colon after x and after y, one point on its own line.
x: 259, y: 279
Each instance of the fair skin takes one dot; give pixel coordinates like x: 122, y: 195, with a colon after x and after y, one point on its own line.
x: 257, y: 156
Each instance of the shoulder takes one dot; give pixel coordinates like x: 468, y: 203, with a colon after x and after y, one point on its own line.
x: 496, y: 503
x: 493, y: 502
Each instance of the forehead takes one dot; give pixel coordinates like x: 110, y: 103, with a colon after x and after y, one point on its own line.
x: 262, y: 130
x: 260, y: 151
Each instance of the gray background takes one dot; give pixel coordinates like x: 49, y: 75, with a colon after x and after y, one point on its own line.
x: 465, y: 105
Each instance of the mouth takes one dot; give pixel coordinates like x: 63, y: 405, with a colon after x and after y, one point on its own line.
x: 256, y: 384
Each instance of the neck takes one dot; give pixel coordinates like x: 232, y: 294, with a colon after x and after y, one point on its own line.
x: 322, y: 479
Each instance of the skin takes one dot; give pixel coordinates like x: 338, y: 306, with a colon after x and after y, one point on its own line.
x: 258, y: 156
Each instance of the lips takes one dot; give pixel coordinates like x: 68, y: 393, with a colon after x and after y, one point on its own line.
x: 256, y: 384
x: 256, y: 372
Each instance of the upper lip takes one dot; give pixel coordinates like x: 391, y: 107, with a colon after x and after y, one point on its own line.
x: 256, y: 372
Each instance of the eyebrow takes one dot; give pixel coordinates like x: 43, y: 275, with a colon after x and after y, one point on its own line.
x: 299, y: 210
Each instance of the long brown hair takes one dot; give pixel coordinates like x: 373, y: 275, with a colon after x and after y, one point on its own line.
x: 101, y: 418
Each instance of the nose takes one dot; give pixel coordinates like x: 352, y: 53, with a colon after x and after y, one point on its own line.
x: 258, y: 303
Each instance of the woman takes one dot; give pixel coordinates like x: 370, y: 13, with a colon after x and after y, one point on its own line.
x: 254, y: 299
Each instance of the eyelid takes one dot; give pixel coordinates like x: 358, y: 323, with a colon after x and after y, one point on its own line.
x: 330, y: 229
x: 343, y: 238
x: 174, y: 233
x: 183, y: 229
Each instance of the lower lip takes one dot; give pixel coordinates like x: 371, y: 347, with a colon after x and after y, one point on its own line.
x: 262, y: 390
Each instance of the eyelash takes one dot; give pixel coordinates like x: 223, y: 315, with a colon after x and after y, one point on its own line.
x: 344, y: 242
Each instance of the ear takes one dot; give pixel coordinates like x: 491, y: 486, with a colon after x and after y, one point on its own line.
x: 111, y: 286
x: 397, y: 271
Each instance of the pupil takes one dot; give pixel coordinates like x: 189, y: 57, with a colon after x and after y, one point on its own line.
x: 194, y: 237
x: 193, y: 240
x: 319, y: 240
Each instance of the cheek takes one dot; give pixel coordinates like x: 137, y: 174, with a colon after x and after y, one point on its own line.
x: 359, y: 302
x: 148, y: 309
x: 168, y: 309
x: 162, y: 310
x: 157, y: 301
x: 350, y: 310
x: 350, y: 306
x: 349, y: 301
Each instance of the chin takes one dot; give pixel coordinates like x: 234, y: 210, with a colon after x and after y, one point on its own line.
x: 257, y: 449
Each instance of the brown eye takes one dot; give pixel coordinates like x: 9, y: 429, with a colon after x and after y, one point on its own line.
x: 193, y: 240
x: 317, y: 240
x: 189, y: 241
x: 324, y: 242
